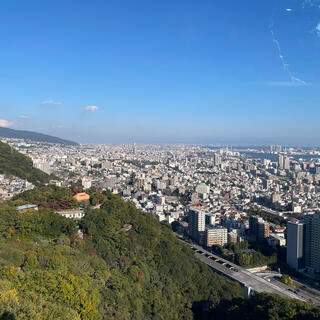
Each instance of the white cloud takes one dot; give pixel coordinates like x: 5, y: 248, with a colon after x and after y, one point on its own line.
x: 51, y: 102
x: 91, y: 108
x: 25, y: 117
x: 317, y: 29
x: 5, y: 123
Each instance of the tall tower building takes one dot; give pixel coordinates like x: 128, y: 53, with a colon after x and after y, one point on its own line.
x: 303, y: 244
x: 295, y: 243
x: 312, y: 242
x: 286, y: 163
x: 258, y: 228
x: 280, y: 161
x: 197, y: 225
x: 217, y: 160
x: 134, y: 148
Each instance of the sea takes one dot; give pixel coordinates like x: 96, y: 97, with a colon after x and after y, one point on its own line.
x: 274, y: 157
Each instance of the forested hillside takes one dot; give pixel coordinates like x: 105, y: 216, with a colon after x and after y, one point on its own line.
x: 264, y: 307
x: 14, y: 163
x: 47, y: 271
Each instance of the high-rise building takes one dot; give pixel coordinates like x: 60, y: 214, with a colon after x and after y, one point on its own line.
x: 217, y: 160
x: 216, y: 236
x: 258, y: 228
x: 286, y: 163
x: 280, y: 161
x: 303, y: 244
x: 312, y: 242
x: 210, y: 219
x: 197, y: 225
x: 134, y: 148
x: 295, y: 244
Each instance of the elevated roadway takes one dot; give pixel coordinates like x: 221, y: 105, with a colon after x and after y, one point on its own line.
x: 245, y: 278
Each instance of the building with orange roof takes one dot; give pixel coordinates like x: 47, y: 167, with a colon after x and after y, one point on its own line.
x: 82, y: 196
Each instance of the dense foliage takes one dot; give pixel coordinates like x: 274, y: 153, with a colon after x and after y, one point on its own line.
x: 33, y: 136
x: 59, y: 198
x: 33, y: 224
x: 248, y: 255
x: 287, y: 280
x: 264, y: 307
x: 254, y: 259
x: 50, y: 196
x: 150, y: 260
x: 49, y: 281
x: 47, y: 271
x: 14, y: 163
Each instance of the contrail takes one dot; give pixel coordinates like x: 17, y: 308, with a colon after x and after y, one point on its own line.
x: 286, y: 67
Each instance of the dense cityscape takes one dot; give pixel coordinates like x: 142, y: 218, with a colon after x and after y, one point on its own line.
x: 217, y: 196
x: 160, y: 160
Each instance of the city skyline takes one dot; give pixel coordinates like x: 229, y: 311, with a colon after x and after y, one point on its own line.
x: 170, y: 72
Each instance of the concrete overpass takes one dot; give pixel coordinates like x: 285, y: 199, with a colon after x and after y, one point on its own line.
x: 250, y: 281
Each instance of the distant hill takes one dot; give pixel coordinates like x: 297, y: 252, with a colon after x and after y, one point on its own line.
x: 34, y: 136
x: 14, y: 163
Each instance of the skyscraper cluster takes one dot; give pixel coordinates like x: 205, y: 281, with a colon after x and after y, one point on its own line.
x: 303, y: 244
x: 284, y: 162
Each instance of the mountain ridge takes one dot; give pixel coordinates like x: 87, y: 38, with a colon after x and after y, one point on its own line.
x: 33, y: 136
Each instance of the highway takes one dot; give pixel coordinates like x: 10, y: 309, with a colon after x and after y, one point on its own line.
x: 244, y: 277
x: 302, y: 290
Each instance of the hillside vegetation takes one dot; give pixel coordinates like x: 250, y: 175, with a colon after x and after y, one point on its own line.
x: 14, y: 163
x: 145, y: 273
x: 264, y: 307
x: 49, y: 272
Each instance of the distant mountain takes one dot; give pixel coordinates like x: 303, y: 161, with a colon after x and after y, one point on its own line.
x: 33, y: 136
x: 14, y: 163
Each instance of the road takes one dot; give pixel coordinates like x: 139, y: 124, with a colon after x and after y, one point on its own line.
x: 301, y: 290
x: 244, y: 277
x: 306, y: 293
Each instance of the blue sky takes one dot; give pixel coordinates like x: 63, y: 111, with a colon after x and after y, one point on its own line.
x: 169, y: 71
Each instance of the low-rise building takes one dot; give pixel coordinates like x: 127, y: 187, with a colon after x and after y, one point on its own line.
x: 82, y: 196
x: 72, y: 214
x: 27, y: 207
